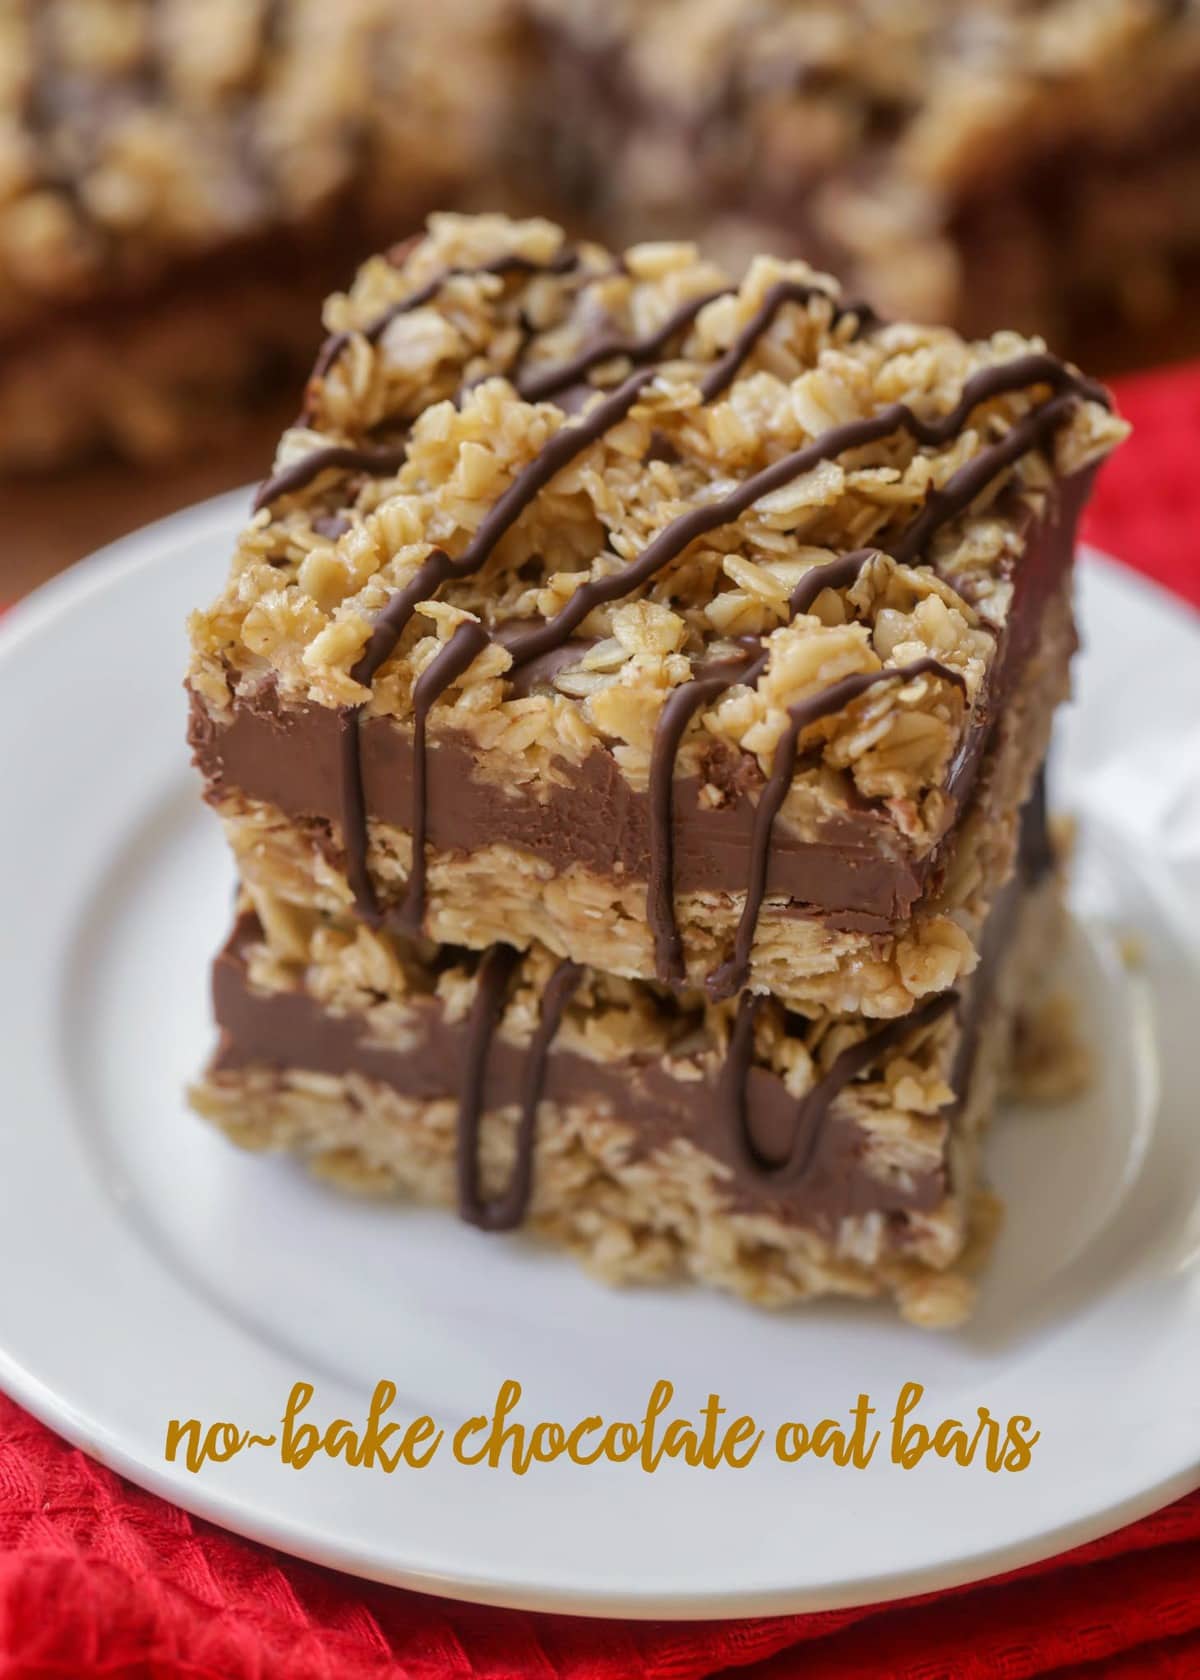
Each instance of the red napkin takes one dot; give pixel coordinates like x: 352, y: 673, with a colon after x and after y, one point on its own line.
x: 100, y: 1579
x: 1146, y: 505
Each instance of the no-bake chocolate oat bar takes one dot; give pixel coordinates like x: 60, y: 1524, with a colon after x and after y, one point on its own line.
x: 701, y: 631
x: 653, y: 1133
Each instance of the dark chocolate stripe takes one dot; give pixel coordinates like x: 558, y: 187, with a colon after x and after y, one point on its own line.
x: 544, y: 382
x: 391, y: 621
x: 354, y: 816
x: 723, y: 374
x: 558, y: 452
x: 487, y: 1007
x: 961, y: 488
x: 463, y: 648
x: 385, y: 633
x: 336, y: 343
x: 678, y: 711
x: 735, y: 1070
x: 813, y: 1109
x: 730, y: 976
x: 679, y: 708
x: 840, y: 573
x: 378, y: 463
x: 508, y: 1210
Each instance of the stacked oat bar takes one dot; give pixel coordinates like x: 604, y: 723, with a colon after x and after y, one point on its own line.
x: 626, y: 710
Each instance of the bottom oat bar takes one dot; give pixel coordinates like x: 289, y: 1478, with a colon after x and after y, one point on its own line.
x: 651, y: 1133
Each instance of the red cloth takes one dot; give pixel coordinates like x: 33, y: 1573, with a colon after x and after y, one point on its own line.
x: 1146, y: 505
x: 100, y: 1579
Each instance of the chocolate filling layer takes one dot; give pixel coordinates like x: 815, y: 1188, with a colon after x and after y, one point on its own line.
x: 855, y: 870
x: 289, y: 757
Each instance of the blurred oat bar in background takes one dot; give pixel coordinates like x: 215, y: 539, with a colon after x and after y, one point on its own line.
x: 639, y: 674
x: 980, y: 162
x: 181, y: 182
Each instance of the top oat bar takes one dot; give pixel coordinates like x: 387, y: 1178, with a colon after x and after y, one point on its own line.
x: 703, y: 630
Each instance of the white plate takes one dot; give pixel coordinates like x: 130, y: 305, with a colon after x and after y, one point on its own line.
x: 150, y: 1271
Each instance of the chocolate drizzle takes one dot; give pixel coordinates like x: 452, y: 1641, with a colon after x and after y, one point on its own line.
x: 378, y: 463
x: 735, y: 1073
x: 507, y: 1210
x: 840, y: 573
x: 561, y: 449
x: 723, y: 374
x: 465, y: 646
x: 495, y: 972
x: 544, y: 382
x: 538, y: 673
x: 385, y: 634
x: 961, y: 489
x: 812, y: 1111
x: 336, y: 343
x: 731, y: 975
x: 558, y: 452
x: 679, y: 709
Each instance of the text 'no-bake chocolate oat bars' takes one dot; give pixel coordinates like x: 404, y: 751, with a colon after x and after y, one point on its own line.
x: 627, y: 709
